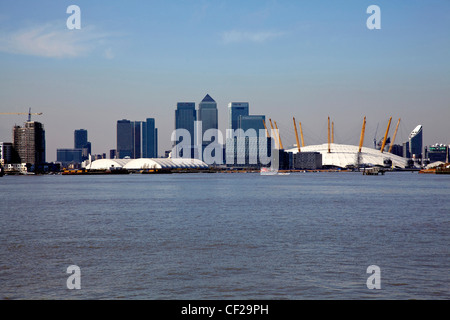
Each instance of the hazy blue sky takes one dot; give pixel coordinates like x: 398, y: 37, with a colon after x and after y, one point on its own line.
x: 308, y: 59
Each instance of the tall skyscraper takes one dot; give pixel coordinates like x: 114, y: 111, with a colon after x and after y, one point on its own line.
x: 124, y: 139
x: 416, y: 143
x: 235, y: 110
x: 136, y: 139
x: 149, y: 139
x: 81, y: 142
x: 208, y: 115
x: 29, y: 142
x: 185, y: 117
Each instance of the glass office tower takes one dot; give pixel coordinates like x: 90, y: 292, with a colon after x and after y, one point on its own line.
x: 416, y: 143
x: 185, y: 117
x: 124, y: 139
x: 149, y: 139
x: 235, y: 110
x: 208, y: 115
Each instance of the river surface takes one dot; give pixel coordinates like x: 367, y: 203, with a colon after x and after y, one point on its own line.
x: 225, y: 236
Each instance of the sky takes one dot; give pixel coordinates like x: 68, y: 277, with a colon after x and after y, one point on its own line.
x: 304, y: 59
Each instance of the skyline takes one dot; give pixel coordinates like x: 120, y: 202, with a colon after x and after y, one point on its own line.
x: 307, y: 60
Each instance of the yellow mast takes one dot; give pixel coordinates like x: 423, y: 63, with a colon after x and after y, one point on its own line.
x: 332, y: 132
x: 267, y: 131
x: 301, y: 134
x: 279, y: 135
x: 386, y: 134
x: 329, y: 149
x: 274, y: 132
x: 395, y: 134
x: 296, y: 135
x: 361, y: 139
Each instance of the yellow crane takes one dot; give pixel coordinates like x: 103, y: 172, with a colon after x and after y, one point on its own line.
x: 395, y: 134
x: 296, y: 135
x: 29, y: 114
x: 386, y: 134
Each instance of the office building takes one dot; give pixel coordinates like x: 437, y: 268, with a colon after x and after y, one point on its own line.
x: 208, y: 115
x: 136, y: 135
x: 235, y: 110
x: 124, y: 139
x: 149, y: 139
x: 69, y: 156
x: 29, y: 142
x: 185, y: 117
x: 7, y: 153
x: 437, y: 152
x: 416, y: 143
x: 308, y: 160
x: 81, y: 142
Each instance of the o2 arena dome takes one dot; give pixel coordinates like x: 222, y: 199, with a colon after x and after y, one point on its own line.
x: 143, y: 163
x: 343, y: 155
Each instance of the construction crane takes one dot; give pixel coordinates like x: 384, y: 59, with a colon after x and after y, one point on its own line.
x: 395, y: 134
x: 29, y: 114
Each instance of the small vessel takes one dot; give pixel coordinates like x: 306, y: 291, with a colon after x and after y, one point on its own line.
x: 272, y: 172
x: 2, y: 171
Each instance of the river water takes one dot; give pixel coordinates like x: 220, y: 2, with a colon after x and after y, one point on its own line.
x: 225, y: 236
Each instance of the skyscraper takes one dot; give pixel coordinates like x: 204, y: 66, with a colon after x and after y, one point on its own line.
x: 208, y: 115
x: 29, y: 142
x: 124, y: 139
x: 149, y: 139
x: 416, y: 143
x: 235, y: 110
x: 185, y: 117
x: 136, y: 139
x: 81, y: 142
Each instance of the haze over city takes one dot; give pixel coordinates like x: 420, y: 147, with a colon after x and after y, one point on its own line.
x: 308, y: 59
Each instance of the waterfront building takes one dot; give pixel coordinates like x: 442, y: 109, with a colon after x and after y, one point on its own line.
x: 437, y: 152
x: 208, y: 115
x: 136, y: 139
x: 69, y: 156
x: 416, y: 143
x: 124, y: 139
x: 185, y: 117
x: 308, y: 160
x: 81, y: 142
x: 7, y: 153
x: 29, y: 142
x: 149, y: 139
x: 235, y: 110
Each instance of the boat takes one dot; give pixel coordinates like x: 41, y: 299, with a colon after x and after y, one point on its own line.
x: 2, y: 171
x: 272, y: 172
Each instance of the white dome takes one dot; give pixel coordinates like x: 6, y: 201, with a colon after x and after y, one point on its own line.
x: 343, y: 155
x: 144, y: 163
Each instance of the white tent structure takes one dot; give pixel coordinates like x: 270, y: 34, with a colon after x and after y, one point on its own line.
x: 143, y: 163
x: 342, y: 155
